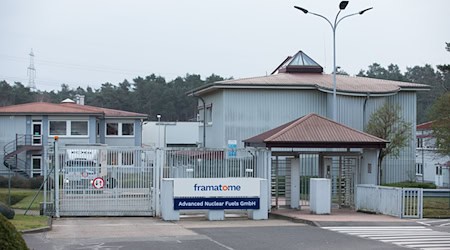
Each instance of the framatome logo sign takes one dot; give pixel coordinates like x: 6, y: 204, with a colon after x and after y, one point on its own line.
x: 217, y: 187
x: 220, y: 188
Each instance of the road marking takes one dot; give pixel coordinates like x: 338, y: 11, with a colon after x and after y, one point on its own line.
x: 435, y: 222
x: 413, y: 237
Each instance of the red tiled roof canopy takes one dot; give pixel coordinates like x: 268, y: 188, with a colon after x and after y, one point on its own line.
x: 314, y: 131
x: 424, y: 126
x: 65, y: 109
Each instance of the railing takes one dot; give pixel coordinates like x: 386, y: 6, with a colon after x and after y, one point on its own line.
x: 399, y: 202
x: 19, y: 166
x: 12, y: 149
x: 21, y: 140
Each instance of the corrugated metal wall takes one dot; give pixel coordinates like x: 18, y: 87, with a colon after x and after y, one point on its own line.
x: 239, y: 114
x: 251, y: 112
x: 350, y: 111
x: 403, y: 167
x: 215, y: 130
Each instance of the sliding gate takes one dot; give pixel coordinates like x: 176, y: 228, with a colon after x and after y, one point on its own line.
x: 112, y: 181
x: 101, y: 181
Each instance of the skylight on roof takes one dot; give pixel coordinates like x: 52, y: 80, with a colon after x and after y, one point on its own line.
x: 301, y: 59
x: 299, y: 63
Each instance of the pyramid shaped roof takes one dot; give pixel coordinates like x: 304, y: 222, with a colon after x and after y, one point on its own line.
x: 299, y: 63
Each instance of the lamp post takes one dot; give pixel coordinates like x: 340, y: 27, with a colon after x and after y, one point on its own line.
x: 342, y: 6
x: 159, y: 129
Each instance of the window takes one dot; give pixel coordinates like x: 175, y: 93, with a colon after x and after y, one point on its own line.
x: 419, y: 142
x: 79, y: 128
x: 419, y: 169
x: 112, y: 129
x: 69, y: 128
x: 119, y: 129
x: 208, y: 114
x: 58, y: 127
x: 127, y: 129
x: 438, y: 170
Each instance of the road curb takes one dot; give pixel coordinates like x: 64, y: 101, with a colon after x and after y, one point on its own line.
x: 296, y: 220
x: 40, y: 229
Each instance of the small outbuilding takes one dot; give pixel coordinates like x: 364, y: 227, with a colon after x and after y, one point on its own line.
x: 320, y: 148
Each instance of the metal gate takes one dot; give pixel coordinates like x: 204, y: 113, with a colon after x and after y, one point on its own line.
x: 114, y: 181
x: 281, y: 181
x: 343, y: 179
x: 412, y: 203
x: 104, y: 181
x: 341, y: 169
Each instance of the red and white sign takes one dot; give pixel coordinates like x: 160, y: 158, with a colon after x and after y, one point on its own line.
x: 98, y: 183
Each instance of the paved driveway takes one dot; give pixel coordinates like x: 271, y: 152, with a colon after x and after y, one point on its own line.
x: 134, y: 233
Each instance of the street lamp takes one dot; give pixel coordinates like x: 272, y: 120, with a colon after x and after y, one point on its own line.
x: 342, y: 6
x: 159, y: 129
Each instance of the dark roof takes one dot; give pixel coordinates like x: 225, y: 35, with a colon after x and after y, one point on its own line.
x: 314, y: 131
x: 65, y: 109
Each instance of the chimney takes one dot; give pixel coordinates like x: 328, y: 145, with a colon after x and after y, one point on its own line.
x: 79, y: 99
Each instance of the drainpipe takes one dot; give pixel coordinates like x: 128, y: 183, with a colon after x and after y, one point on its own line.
x: 364, y: 111
x: 204, y: 118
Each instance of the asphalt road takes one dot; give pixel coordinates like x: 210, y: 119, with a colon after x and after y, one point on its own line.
x: 152, y: 233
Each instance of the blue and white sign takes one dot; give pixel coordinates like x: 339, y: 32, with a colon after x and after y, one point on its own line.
x: 232, y: 147
x: 216, y: 187
x: 216, y: 203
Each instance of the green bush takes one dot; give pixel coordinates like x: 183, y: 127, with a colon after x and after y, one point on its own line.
x: 36, y: 182
x: 7, y: 211
x: 3, y: 182
x: 407, y: 184
x: 22, y: 182
x: 10, y: 238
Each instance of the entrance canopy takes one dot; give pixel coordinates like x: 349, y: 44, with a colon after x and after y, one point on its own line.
x: 315, y: 131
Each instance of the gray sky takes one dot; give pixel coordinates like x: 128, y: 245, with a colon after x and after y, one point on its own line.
x: 90, y: 42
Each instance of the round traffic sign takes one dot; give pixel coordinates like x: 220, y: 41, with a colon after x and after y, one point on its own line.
x: 98, y: 183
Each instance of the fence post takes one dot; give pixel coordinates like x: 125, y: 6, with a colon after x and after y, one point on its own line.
x: 420, y: 203
x: 57, y: 167
x: 401, y: 203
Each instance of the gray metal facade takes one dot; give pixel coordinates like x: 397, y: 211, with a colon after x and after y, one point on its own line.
x: 239, y: 114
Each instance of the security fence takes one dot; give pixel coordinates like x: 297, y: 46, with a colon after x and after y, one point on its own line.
x: 118, y: 181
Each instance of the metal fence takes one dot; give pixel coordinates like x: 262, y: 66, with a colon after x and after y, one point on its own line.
x: 399, y: 202
x: 412, y: 202
x: 215, y: 163
x: 117, y: 181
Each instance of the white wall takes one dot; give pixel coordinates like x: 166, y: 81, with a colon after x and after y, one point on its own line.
x: 170, y: 133
x: 368, y: 175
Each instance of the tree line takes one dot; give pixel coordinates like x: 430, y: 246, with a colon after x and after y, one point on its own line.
x: 153, y: 95
x: 150, y: 95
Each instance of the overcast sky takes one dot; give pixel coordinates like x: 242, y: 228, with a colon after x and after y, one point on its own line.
x: 90, y: 42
